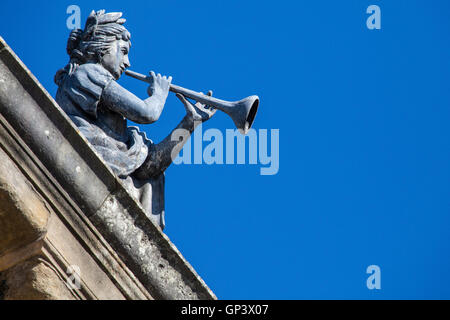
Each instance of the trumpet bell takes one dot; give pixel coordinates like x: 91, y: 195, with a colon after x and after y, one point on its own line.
x: 243, y: 113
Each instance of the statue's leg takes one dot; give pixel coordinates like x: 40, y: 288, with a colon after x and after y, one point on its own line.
x: 151, y: 168
x: 150, y: 194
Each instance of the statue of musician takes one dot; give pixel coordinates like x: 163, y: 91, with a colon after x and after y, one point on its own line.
x: 99, y: 107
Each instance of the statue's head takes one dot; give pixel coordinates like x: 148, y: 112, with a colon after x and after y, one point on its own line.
x: 104, y: 40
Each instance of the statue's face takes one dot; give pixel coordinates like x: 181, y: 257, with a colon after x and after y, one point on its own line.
x: 116, y: 60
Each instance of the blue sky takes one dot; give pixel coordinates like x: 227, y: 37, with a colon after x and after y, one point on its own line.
x: 364, y: 137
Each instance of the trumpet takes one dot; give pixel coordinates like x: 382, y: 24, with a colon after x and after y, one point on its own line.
x: 242, y: 112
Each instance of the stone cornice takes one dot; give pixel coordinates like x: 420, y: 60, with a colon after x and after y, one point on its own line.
x: 88, y: 200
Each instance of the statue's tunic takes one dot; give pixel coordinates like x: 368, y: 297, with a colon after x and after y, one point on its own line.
x: 123, y: 148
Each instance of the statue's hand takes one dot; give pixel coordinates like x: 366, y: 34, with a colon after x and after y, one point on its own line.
x: 198, y: 111
x: 159, y: 86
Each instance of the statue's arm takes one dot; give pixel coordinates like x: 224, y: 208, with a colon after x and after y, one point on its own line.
x: 161, y: 155
x: 122, y: 101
